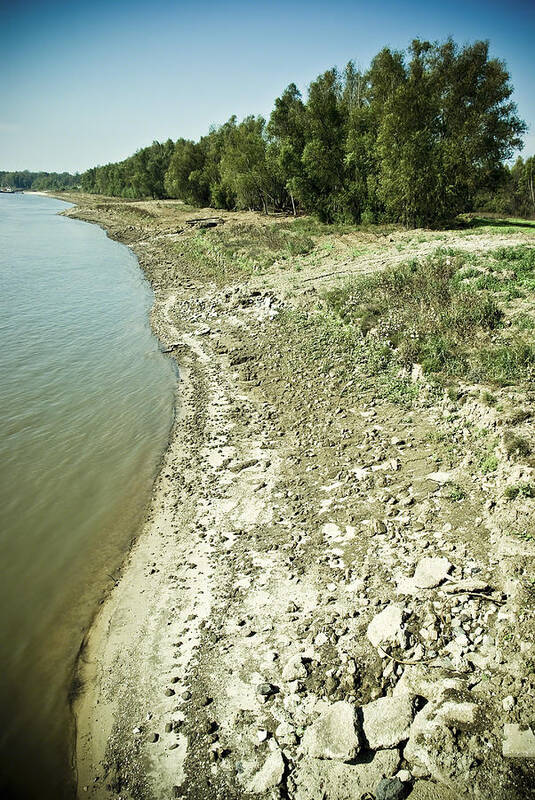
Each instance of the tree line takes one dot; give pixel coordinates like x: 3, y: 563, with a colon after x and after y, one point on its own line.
x: 417, y: 138
x: 39, y: 181
x: 514, y: 193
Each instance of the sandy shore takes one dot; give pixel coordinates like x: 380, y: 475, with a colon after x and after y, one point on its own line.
x: 306, y: 613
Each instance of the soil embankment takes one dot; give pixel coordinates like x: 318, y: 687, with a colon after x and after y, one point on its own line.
x: 330, y: 598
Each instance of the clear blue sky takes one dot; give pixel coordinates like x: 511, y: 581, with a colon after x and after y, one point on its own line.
x: 85, y: 83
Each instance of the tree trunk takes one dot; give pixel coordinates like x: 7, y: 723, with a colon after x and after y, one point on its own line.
x: 293, y: 204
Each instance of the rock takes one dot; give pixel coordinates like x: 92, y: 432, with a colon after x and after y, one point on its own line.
x: 317, y: 779
x: 389, y: 789
x: 385, y: 627
x: 266, y: 690
x: 386, y: 722
x: 430, y: 572
x: 518, y: 742
x: 433, y: 748
x: 294, y: 669
x: 457, y: 713
x: 439, y: 477
x: 331, y: 685
x: 508, y: 703
x: 378, y: 526
x: 269, y: 776
x: 333, y: 734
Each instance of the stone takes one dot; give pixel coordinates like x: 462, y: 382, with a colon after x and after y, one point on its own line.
x: 508, y: 703
x: 386, y: 722
x: 433, y: 749
x: 294, y: 669
x: 518, y: 742
x: 317, y: 779
x: 385, y: 627
x: 389, y: 789
x: 439, y: 477
x: 430, y: 572
x: 269, y: 776
x: 458, y: 713
x: 334, y: 734
x: 266, y: 689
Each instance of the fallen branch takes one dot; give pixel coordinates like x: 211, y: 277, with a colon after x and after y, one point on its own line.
x: 405, y: 663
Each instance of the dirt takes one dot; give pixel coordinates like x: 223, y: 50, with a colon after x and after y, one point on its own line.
x: 295, y: 507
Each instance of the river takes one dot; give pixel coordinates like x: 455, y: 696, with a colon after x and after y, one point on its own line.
x: 86, y: 405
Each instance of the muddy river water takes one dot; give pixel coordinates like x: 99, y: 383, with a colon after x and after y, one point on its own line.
x: 86, y: 405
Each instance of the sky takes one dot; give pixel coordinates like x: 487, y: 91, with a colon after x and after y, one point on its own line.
x: 85, y: 83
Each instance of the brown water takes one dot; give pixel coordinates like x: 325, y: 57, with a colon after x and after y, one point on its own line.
x: 86, y: 405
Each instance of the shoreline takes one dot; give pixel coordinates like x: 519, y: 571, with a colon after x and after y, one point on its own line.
x: 246, y: 607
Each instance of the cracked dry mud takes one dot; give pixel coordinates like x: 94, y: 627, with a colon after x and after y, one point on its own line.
x: 309, y: 613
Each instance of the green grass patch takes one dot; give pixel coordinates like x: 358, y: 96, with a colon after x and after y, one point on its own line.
x: 444, y: 314
x: 230, y: 251
x: 519, y: 490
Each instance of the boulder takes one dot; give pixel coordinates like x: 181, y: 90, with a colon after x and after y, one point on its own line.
x: 294, y: 669
x: 386, y: 722
x: 334, y: 734
x: 430, y: 572
x: 269, y: 776
x: 518, y: 742
x: 386, y: 627
x: 390, y: 789
x: 317, y: 779
x: 440, y: 477
x: 433, y: 749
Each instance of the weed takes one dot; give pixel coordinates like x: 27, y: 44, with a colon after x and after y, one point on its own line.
x: 457, y: 493
x: 524, y: 322
x: 519, y: 490
x: 516, y: 445
x: 489, y: 464
x: 488, y: 398
x: 520, y: 416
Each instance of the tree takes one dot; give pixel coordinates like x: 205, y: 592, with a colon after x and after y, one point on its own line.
x: 286, y: 129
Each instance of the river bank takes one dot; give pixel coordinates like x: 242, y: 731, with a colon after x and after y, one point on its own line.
x: 331, y: 596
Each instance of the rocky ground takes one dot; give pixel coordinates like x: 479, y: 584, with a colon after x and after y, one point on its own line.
x: 330, y: 600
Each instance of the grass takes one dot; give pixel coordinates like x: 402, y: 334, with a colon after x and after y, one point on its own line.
x: 489, y: 464
x: 230, y: 251
x: 443, y: 313
x: 519, y: 490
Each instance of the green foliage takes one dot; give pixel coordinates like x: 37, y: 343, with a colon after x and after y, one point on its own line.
x: 230, y: 251
x: 408, y: 141
x: 40, y: 181
x: 489, y: 464
x: 457, y: 493
x: 519, y: 490
x: 512, y: 192
x: 141, y: 175
x: 424, y: 314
